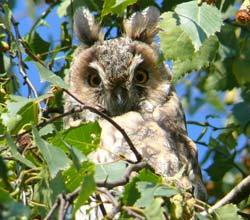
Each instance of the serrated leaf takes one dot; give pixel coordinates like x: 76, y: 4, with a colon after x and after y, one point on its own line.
x: 85, y: 137
x: 54, y: 156
x: 175, y: 43
x: 199, y: 60
x: 38, y: 45
x: 110, y: 172
x: 228, y: 212
x: 48, y: 76
x: 155, y: 211
x: 17, y: 155
x: 73, y: 177
x: 198, y: 22
x: 131, y: 193
x: 21, y: 111
x: 150, y: 190
x: 88, y: 187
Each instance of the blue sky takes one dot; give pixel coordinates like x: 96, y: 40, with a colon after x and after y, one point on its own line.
x: 52, y: 33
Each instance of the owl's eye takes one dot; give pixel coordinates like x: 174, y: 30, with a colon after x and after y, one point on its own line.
x: 141, y: 76
x: 94, y: 80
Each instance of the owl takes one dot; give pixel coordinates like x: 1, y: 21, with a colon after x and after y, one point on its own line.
x: 127, y: 79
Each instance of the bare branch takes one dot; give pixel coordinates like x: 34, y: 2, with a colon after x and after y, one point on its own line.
x: 21, y: 64
x: 237, y: 194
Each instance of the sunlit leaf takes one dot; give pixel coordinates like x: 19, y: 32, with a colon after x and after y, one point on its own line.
x: 150, y: 190
x: 199, y: 22
x: 116, y: 6
x: 85, y: 137
x: 131, y: 192
x: 48, y: 76
x: 228, y: 212
x: 54, y: 156
x: 73, y: 177
x: 38, y: 45
x: 110, y: 171
x: 175, y: 43
x: 155, y: 211
x: 87, y: 188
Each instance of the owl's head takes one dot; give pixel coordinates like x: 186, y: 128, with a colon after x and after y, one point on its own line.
x: 122, y: 74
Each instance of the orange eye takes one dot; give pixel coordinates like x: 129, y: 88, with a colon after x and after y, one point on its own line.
x: 141, y: 76
x: 94, y: 80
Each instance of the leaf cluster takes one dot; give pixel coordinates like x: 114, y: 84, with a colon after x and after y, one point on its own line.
x: 44, y: 166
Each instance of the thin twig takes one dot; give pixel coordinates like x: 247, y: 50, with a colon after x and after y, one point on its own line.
x: 133, y: 213
x: 112, y: 200
x: 207, y: 124
x: 236, y: 195
x: 53, y: 209
x: 62, y: 211
x: 103, y: 115
x: 44, y: 15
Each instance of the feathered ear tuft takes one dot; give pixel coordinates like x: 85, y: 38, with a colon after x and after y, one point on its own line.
x: 143, y: 26
x: 86, y: 28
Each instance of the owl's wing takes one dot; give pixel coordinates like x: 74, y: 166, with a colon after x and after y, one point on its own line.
x: 158, y: 146
x: 171, y: 118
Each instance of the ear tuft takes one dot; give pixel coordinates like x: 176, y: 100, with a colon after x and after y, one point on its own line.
x: 85, y: 27
x: 143, y: 26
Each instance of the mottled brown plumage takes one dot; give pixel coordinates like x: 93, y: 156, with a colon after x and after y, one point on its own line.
x: 125, y: 77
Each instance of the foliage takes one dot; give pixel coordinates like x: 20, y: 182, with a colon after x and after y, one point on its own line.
x: 41, y: 162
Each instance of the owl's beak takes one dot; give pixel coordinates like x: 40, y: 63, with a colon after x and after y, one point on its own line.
x: 119, y: 101
x: 121, y: 95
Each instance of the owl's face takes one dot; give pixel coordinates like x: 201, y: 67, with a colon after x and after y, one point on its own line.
x: 119, y: 75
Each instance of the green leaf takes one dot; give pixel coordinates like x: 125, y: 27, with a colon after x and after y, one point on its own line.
x: 38, y: 45
x: 21, y: 111
x: 241, y: 71
x: 241, y: 113
x: 85, y: 137
x: 175, y: 43
x: 16, y: 154
x: 48, y: 76
x: 198, y: 22
x: 65, y: 8
x: 87, y: 189
x: 228, y: 212
x: 221, y: 164
x: 10, y: 209
x: 73, y: 177
x: 48, y: 129
x: 110, y: 172
x: 150, y: 190
x: 115, y: 6
x: 131, y: 193
x: 198, y: 61
x: 155, y: 211
x: 54, y: 156
x: 6, y: 19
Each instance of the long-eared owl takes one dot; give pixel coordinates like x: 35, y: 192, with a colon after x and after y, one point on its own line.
x: 127, y: 78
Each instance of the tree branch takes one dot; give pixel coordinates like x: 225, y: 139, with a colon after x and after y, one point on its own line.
x: 237, y: 194
x: 103, y: 115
